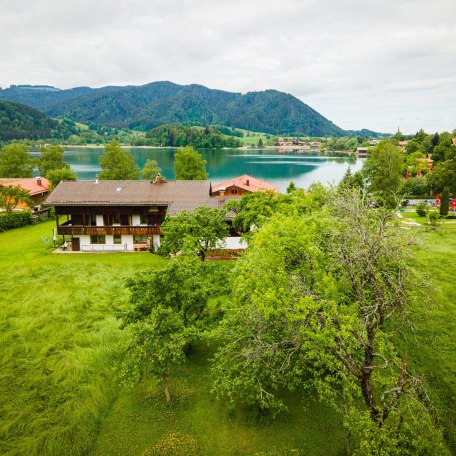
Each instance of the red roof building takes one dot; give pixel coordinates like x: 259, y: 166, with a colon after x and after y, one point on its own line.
x: 241, y: 185
x: 37, y: 186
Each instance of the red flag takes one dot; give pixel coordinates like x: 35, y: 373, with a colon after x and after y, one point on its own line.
x: 437, y: 199
x: 453, y: 203
x: 407, y: 175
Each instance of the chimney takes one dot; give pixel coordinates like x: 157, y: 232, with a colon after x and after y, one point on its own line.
x: 247, y: 182
x: 96, y: 181
x: 222, y: 194
x: 38, y: 181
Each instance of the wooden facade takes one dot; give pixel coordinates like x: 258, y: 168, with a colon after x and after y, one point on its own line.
x: 117, y: 220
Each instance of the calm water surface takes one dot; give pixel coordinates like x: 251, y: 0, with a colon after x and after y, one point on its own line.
x: 279, y: 168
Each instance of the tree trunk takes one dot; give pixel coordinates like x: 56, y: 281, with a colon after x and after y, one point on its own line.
x: 166, y: 390
x: 369, y: 399
x: 348, y: 444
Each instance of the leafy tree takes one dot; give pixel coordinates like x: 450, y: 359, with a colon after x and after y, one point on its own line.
x: 445, y: 202
x: 253, y: 209
x: 51, y: 158
x: 117, y: 163
x: 383, y: 168
x: 291, y: 187
x: 417, y: 186
x: 443, y: 175
x: 15, y: 161
x: 189, y: 165
x: 444, y: 150
x: 12, y: 195
x: 435, y: 139
x: 151, y: 170
x: 156, y: 346
x: 166, y: 313
x: 57, y: 175
x: 194, y: 233
x: 315, y: 302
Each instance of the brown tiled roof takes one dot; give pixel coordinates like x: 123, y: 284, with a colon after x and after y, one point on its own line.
x: 29, y: 183
x: 177, y: 195
x: 248, y: 183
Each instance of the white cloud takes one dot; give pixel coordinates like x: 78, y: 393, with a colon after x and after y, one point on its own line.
x: 361, y: 63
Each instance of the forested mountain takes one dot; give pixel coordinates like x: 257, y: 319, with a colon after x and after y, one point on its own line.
x: 18, y: 121
x: 159, y: 103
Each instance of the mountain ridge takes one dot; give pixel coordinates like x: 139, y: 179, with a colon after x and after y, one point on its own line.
x: 19, y: 121
x: 151, y: 105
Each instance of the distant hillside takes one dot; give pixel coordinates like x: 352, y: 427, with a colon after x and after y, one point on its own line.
x: 18, y: 121
x: 159, y: 103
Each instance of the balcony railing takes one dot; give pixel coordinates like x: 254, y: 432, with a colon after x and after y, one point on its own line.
x: 104, y: 247
x: 69, y: 229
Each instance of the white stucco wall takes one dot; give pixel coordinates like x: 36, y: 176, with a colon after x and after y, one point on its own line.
x: 232, y: 242
x: 86, y: 246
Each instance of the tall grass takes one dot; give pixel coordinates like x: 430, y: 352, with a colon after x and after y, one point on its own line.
x: 58, y: 342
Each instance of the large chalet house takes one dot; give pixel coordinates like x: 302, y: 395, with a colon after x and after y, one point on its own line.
x: 126, y: 215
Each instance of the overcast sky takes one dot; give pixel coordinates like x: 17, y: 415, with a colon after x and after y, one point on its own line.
x: 362, y: 64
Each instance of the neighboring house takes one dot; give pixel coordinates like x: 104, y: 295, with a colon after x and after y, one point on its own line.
x: 38, y: 187
x: 361, y: 151
x: 241, y: 185
x: 453, y: 140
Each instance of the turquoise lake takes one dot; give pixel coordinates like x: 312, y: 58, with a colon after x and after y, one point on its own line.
x: 279, y: 168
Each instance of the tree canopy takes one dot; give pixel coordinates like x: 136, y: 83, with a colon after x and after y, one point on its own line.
x: 314, y: 304
x: 15, y: 161
x: 383, y: 169
x: 51, y: 158
x: 151, y: 170
x: 60, y: 174
x: 194, y: 233
x: 12, y: 195
x: 189, y: 165
x: 166, y: 313
x: 117, y: 163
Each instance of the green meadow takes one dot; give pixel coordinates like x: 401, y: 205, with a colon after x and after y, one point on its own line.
x: 60, y: 343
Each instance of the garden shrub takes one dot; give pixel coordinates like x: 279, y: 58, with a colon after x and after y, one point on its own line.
x: 422, y: 209
x: 9, y: 220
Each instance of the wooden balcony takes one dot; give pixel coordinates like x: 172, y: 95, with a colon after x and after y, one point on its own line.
x: 69, y: 229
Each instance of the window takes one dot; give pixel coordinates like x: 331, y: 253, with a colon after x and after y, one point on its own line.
x: 140, y: 239
x: 233, y: 191
x: 143, y: 219
x: 116, y: 219
x: 97, y: 239
x: 93, y: 220
x: 117, y: 239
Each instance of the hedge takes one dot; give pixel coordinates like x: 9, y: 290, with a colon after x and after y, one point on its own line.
x: 9, y: 220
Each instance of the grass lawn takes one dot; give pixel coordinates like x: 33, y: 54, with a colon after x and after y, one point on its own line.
x: 431, y: 346
x: 59, y: 343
